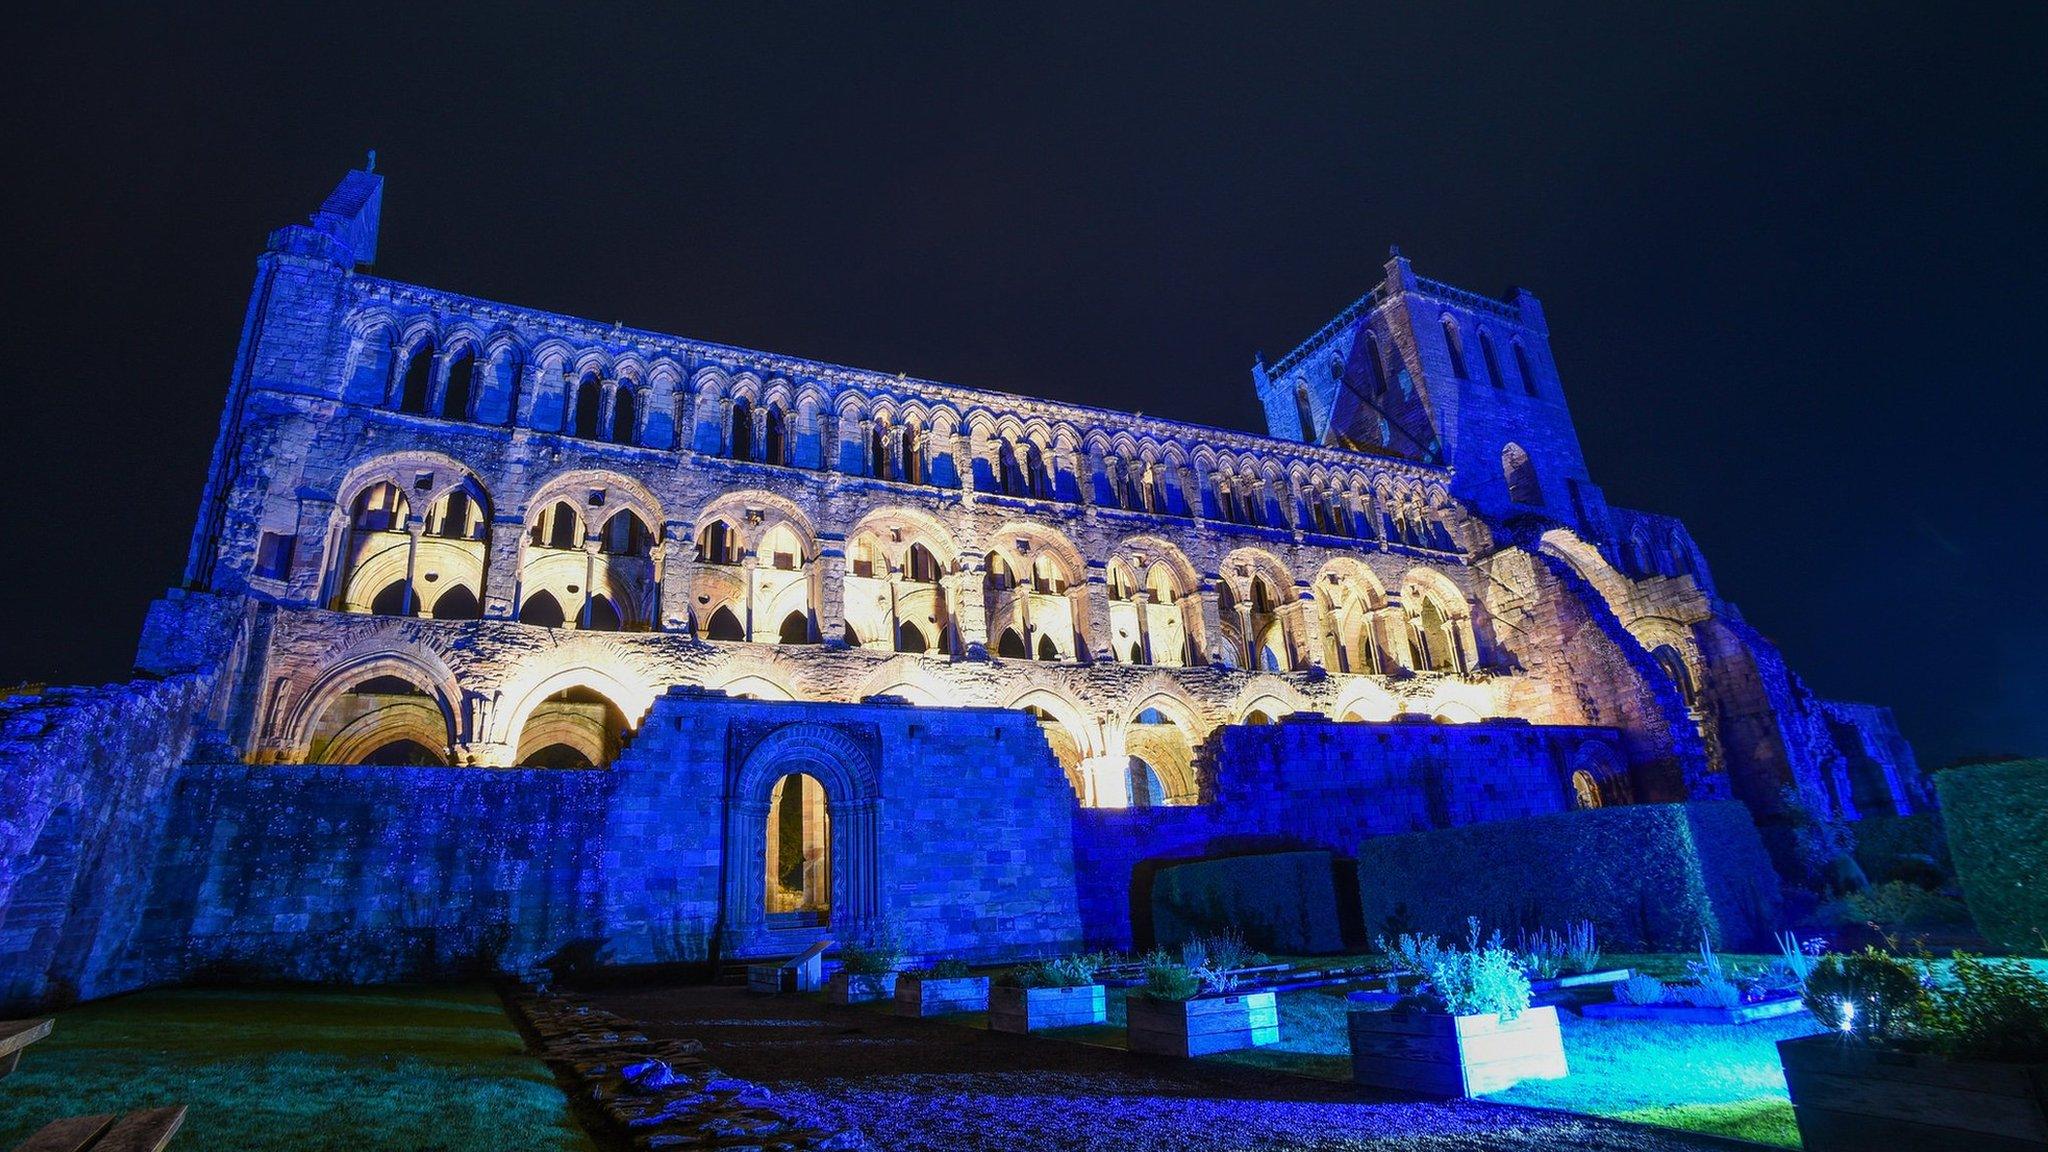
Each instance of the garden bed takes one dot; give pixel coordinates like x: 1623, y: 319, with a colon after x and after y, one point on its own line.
x: 300, y: 1071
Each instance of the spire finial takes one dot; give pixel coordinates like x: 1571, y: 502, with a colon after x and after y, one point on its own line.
x: 370, y: 165
x: 1394, y: 251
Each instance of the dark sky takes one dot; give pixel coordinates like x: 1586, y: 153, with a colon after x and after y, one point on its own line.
x: 1792, y: 257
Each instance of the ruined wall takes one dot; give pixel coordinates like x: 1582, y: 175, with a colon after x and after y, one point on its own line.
x: 362, y: 874
x: 1315, y: 784
x: 84, y: 778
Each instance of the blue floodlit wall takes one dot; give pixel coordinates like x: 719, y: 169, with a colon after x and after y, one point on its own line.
x: 1316, y: 784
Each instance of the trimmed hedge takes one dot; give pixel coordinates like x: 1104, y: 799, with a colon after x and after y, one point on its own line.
x: 1997, y: 819
x: 1648, y: 876
x: 1911, y: 848
x: 1281, y: 902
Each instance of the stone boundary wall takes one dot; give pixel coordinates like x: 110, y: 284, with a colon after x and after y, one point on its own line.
x: 1308, y: 784
x: 360, y: 874
x: 84, y: 773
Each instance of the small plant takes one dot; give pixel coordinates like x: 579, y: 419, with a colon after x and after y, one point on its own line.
x: 1541, y: 952
x: 1480, y: 978
x: 948, y: 970
x: 1076, y: 971
x: 1170, y: 979
x: 1581, y: 950
x: 1411, y: 953
x: 1722, y: 995
x: 1641, y: 990
x: 1797, y: 957
x: 1225, y: 951
x: 878, y: 954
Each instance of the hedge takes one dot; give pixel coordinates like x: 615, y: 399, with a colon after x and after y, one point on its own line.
x: 1912, y: 848
x: 1649, y: 876
x: 1281, y: 902
x: 1997, y: 819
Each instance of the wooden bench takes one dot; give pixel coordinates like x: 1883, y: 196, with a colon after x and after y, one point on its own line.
x: 16, y: 1035
x: 145, y: 1131
x: 801, y: 973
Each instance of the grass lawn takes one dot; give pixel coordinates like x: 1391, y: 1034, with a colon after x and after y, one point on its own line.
x: 431, y: 1069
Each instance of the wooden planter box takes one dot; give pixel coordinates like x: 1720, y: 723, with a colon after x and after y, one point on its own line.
x: 1582, y: 980
x: 848, y: 988
x: 931, y: 996
x: 1203, y: 1025
x: 1849, y: 1096
x: 1030, y: 1009
x: 1688, y: 1014
x: 1443, y: 1055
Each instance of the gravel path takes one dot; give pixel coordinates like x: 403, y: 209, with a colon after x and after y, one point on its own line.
x: 930, y: 1086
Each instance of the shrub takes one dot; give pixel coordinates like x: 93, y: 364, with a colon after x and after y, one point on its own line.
x: 1722, y: 995
x: 1581, y: 949
x: 1643, y: 990
x: 948, y: 970
x: 877, y: 954
x: 1415, y: 954
x: 1910, y: 848
x: 1480, y: 978
x: 1871, y: 994
x: 1896, y: 907
x: 1225, y: 951
x: 1997, y: 821
x: 1989, y: 1010
x: 1076, y: 971
x: 1650, y: 876
x: 1278, y: 902
x: 1541, y: 953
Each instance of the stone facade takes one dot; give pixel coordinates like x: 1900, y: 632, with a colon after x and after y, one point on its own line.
x: 455, y: 538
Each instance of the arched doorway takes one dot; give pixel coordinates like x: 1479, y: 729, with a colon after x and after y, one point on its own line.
x: 798, y: 866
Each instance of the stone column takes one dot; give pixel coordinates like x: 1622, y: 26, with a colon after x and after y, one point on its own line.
x: 414, y: 529
x: 1211, y: 617
x: 502, y: 564
x: 1101, y: 633
x: 969, y: 613
x: 678, y: 575
x: 1314, y: 639
x: 1141, y: 599
x: 831, y: 578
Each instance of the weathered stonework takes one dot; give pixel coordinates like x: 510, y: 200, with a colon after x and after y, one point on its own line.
x: 444, y: 538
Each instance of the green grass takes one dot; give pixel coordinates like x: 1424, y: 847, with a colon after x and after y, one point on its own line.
x: 300, y: 1071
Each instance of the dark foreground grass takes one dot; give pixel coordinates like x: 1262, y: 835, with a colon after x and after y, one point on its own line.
x: 299, y: 1071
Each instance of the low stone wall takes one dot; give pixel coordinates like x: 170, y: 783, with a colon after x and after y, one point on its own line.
x: 360, y: 874
x: 1316, y: 784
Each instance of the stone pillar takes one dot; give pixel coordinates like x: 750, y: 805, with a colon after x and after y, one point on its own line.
x: 1247, y: 641
x: 1100, y: 632
x: 414, y: 529
x: 1212, y: 620
x: 963, y: 589
x: 831, y: 585
x: 1314, y: 639
x: 1141, y: 599
x: 502, y: 565
x: 678, y: 575
x: 750, y: 574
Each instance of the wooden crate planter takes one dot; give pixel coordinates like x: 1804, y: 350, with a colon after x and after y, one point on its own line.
x: 1203, y: 1025
x: 934, y: 996
x: 1851, y: 1096
x: 1030, y: 1009
x: 848, y: 988
x: 1582, y: 980
x: 1443, y: 1055
x: 1688, y: 1014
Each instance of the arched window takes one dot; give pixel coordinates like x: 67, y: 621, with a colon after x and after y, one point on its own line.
x: 1035, y: 471
x: 1119, y: 582
x: 1436, y: 638
x: 1046, y: 577
x: 742, y: 430
x: 458, y: 603
x: 1523, y: 366
x: 878, y: 450
x: 558, y: 527
x: 1159, y: 582
x: 923, y: 567
x: 996, y: 576
x: 1304, y: 414
x: 394, y: 599
x: 1010, y: 477
x: 1673, y: 665
x: 799, y: 844
x: 1585, y: 790
x: 725, y: 626
x: 416, y: 389
x: 1486, y: 348
x: 1011, y: 645
x: 543, y: 609
x: 910, y: 638
x: 1262, y: 597
x: 625, y: 535
x: 775, y: 437
x: 1375, y: 368
x: 913, y: 463
x: 1456, y: 344
x: 589, y: 406
x: 718, y: 544
x: 1521, y: 476
x: 455, y: 401
x: 601, y: 615
x: 625, y: 417
x: 1047, y: 650
x: 796, y: 629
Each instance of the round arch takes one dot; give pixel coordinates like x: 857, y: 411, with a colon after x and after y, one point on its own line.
x: 423, y: 670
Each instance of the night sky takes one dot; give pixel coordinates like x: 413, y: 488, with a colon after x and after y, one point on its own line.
x: 1793, y: 259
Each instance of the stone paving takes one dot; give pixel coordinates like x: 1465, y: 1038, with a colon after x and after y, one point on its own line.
x: 917, y: 1085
